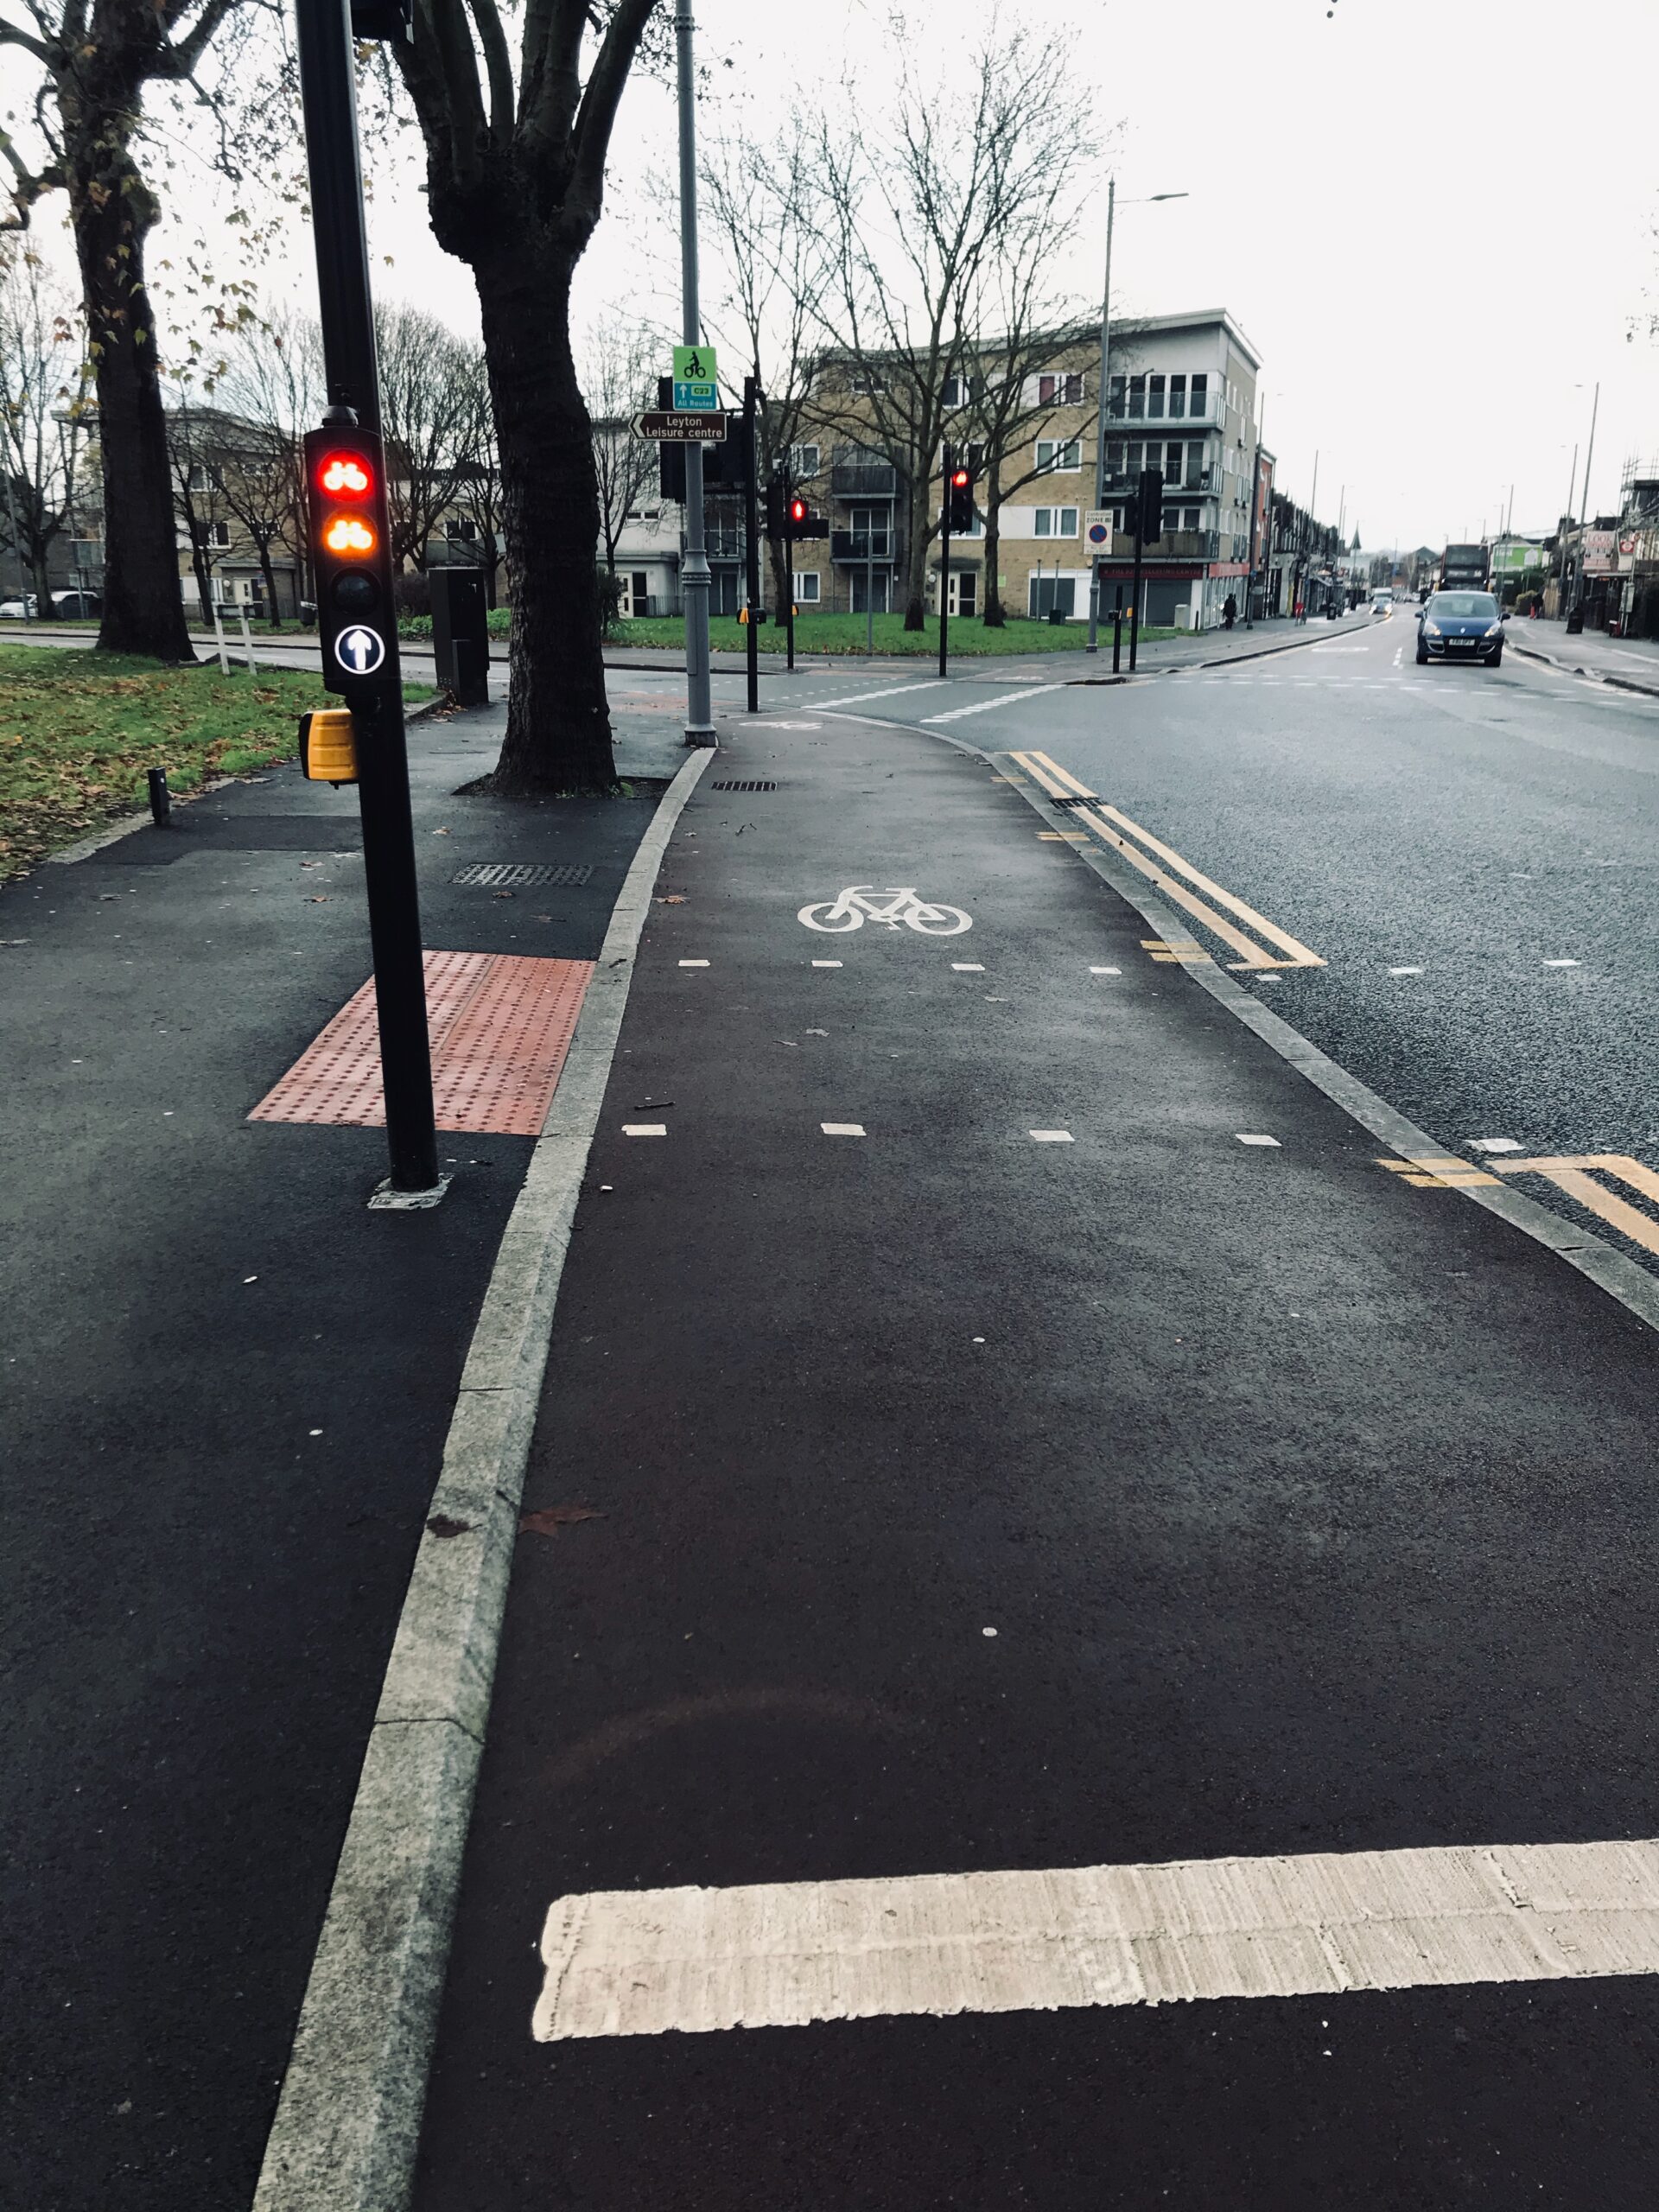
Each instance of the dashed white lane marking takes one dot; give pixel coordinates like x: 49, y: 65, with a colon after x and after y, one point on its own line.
x: 984, y: 706
x: 1274, y: 1142
x: 694, y: 964
x: 843, y: 1128
x: 1105, y: 971
x: 1494, y: 1144
x: 1405, y: 971
x: 1052, y: 1136
x: 969, y: 967
x: 645, y: 1128
x: 893, y: 691
x: 779, y: 1955
x: 1561, y: 963
x: 826, y: 963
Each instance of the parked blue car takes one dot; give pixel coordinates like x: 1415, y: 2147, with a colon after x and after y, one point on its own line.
x: 1461, y: 626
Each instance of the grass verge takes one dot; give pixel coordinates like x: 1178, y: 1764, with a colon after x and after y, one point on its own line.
x: 847, y: 633
x: 78, y: 731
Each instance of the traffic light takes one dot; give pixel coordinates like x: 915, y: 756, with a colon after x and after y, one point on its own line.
x: 962, y: 500
x: 799, y: 513
x: 1149, y: 505
x: 775, y: 506
x: 351, y: 544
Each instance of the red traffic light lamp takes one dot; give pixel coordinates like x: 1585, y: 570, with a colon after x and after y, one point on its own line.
x: 961, y: 499
x: 798, y: 510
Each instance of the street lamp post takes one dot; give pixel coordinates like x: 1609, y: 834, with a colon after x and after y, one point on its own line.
x: 694, y: 578
x: 1105, y: 378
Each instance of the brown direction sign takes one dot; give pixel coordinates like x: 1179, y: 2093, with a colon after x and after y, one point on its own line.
x: 679, y: 426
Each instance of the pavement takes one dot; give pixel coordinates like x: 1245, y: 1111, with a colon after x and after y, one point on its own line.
x: 1063, y: 1478
x: 1632, y: 663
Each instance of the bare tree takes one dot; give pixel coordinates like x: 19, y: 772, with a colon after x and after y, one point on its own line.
x: 428, y: 412
x: 620, y: 379
x: 515, y: 181
x: 759, y: 200
x: 917, y: 198
x: 44, y: 378
x: 96, y: 61
x: 198, y: 503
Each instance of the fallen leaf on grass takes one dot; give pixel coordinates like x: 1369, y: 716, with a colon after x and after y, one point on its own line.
x: 440, y: 1524
x: 549, y: 1519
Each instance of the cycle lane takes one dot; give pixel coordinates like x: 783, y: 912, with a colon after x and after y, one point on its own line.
x: 1040, y: 1478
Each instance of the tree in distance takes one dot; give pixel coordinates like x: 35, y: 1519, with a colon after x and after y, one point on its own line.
x: 96, y: 63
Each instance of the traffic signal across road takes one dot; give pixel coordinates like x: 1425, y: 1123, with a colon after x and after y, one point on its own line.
x: 346, y: 479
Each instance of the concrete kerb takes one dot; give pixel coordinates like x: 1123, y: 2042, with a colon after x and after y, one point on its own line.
x: 1227, y: 660
x: 347, y: 2122
x: 1590, y: 675
x: 1611, y: 1270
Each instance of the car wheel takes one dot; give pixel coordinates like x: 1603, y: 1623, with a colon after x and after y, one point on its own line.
x: 1496, y: 660
x: 1422, y: 657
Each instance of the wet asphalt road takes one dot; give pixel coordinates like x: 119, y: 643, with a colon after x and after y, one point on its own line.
x: 1471, y: 824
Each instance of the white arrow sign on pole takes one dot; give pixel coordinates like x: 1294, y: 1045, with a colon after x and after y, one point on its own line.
x: 360, y: 649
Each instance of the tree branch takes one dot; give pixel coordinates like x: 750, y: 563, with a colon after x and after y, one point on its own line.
x: 597, y: 114
x: 15, y: 34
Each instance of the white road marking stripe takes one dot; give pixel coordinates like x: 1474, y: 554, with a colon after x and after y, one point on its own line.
x: 969, y: 967
x: 1493, y: 1144
x: 826, y: 963
x: 1105, y: 971
x: 645, y: 1128
x: 858, y: 698
x: 694, y: 964
x: 843, y: 1128
x: 984, y: 706
x: 1274, y: 1142
x: 1561, y: 963
x: 630, y: 1963
x: 1052, y: 1136
x: 1405, y: 971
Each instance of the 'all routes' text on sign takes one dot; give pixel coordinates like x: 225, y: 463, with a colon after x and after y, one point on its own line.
x: 696, y: 389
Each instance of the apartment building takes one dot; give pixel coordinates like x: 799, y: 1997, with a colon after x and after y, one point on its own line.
x: 1182, y: 398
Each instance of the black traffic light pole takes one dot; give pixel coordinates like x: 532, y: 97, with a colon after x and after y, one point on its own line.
x: 347, y: 316
x: 751, y: 539
x: 789, y: 564
x: 944, y: 563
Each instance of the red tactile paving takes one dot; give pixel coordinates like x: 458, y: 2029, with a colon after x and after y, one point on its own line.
x: 501, y: 1027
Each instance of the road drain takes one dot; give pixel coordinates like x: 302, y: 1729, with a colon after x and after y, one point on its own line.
x: 742, y: 787
x: 497, y: 872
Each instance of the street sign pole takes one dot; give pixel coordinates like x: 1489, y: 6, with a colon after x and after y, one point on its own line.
x: 752, y: 540
x: 695, y: 579
x: 944, y: 560
x: 376, y: 698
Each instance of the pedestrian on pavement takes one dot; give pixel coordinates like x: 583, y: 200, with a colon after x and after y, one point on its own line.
x: 1228, y: 610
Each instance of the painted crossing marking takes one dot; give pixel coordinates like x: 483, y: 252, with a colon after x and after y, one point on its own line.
x: 779, y: 1955
x: 1438, y: 1171
x: 1576, y: 1173
x: 893, y: 691
x: 1135, y: 843
x: 984, y: 706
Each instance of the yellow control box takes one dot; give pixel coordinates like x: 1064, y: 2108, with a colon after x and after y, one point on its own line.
x: 329, y: 746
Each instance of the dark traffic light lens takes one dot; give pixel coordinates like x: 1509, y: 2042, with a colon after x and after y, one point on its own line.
x: 356, y: 592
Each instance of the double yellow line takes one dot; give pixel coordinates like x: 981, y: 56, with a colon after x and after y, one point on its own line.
x: 1161, y: 865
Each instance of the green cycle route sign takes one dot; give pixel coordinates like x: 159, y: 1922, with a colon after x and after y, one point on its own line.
x: 697, y: 387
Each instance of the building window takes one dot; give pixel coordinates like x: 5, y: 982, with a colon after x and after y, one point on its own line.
x: 1046, y: 592
x: 1200, y: 395
x: 1155, y: 396
x: 1115, y: 404
x: 218, y: 534
x: 805, y: 463
x: 1054, y: 522
x: 1059, y: 455
x: 806, y: 588
x: 1194, y: 463
x: 1178, y: 395
x: 954, y: 393
x: 1173, y: 453
x: 863, y: 384
x: 1191, y: 515
x: 1137, y: 397
x: 1114, y: 460
x: 869, y: 528
x: 1060, y: 390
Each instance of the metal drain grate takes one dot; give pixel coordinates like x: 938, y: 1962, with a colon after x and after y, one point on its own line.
x: 500, y: 872
x: 742, y: 787
x: 1088, y: 799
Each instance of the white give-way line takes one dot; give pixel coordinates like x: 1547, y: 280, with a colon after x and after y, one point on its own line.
x: 780, y: 1955
x: 1002, y: 699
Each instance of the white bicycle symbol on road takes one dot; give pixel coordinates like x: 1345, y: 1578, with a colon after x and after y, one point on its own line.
x: 862, y: 902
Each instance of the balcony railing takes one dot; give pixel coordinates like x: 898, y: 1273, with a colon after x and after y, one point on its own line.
x: 860, y: 546
x: 864, y: 480
x: 1136, y: 407
x: 1123, y: 484
x: 1173, y: 545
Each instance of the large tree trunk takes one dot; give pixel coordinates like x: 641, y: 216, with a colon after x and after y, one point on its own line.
x: 112, y: 209
x: 558, y: 733
x: 995, y: 618
x: 916, y: 556
x: 273, y: 611
x: 203, y: 581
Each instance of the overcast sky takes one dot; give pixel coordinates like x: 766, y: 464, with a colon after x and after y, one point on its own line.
x: 1435, y: 224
